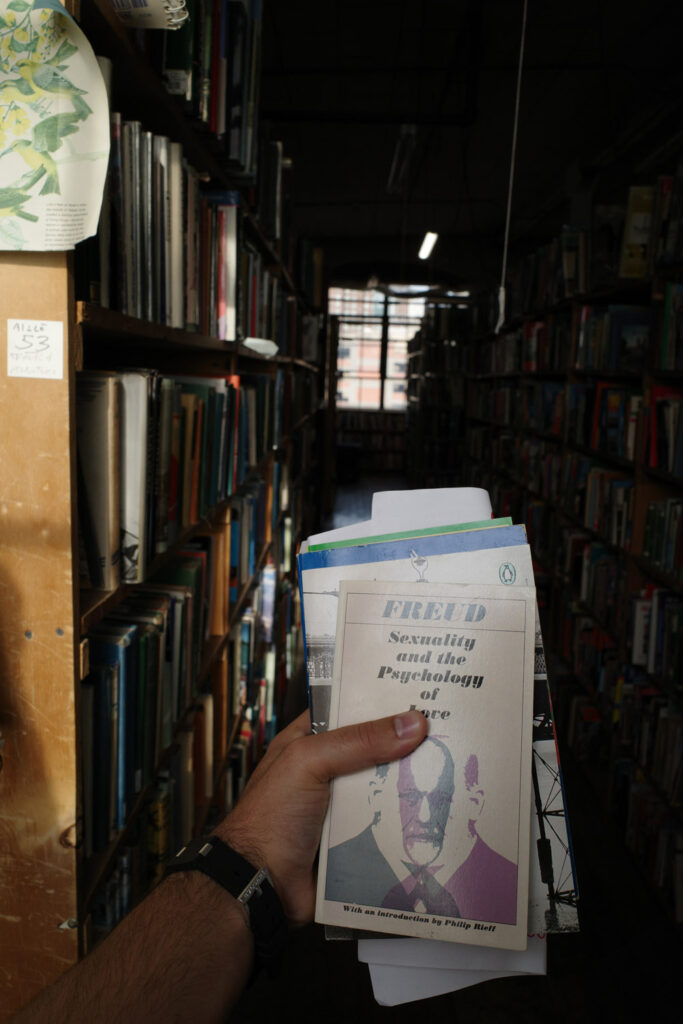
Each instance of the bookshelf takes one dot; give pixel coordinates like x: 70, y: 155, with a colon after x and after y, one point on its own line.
x: 59, y: 883
x: 434, y: 418
x: 568, y: 417
x: 369, y: 441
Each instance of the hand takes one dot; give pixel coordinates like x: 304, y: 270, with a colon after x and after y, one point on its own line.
x: 279, y: 817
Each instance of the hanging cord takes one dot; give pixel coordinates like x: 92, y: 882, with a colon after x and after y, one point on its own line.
x: 501, y: 289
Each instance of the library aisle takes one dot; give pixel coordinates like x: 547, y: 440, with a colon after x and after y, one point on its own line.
x: 624, y: 965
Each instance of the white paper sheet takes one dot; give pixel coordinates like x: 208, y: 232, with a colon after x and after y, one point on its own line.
x: 421, y: 970
x: 412, y: 510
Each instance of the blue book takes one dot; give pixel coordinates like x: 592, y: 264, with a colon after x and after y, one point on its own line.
x: 115, y: 644
x: 100, y: 726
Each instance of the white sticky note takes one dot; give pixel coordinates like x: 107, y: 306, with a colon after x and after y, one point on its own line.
x: 35, y: 348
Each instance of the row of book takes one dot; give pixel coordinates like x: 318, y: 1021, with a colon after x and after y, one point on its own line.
x: 495, y: 403
x: 371, y: 442
x: 554, y: 271
x: 540, y: 344
x: 652, y: 616
x: 665, y: 440
x: 538, y: 406
x: 613, y: 338
x: 156, y: 452
x: 593, y: 575
x: 211, y: 64
x: 598, y: 497
x: 145, y: 660
x: 167, y: 819
x: 534, y: 463
x: 151, y: 696
x: 546, y: 343
x: 655, y: 837
x: 656, y: 727
x: 669, y: 352
x: 632, y: 239
x: 437, y: 345
x: 604, y: 416
x: 368, y: 421
x: 199, y: 776
x: 600, y: 584
x: 174, y: 250
x: 651, y: 827
x: 596, y: 414
x: 665, y: 243
x: 541, y: 407
x: 639, y: 737
x: 655, y: 619
x: 538, y: 465
x: 588, y: 627
x: 663, y: 536
x: 432, y: 391
x: 541, y: 524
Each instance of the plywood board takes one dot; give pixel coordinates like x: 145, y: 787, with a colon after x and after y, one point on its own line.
x: 38, y: 647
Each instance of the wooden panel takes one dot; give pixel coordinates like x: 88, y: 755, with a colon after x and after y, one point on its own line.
x: 38, y: 646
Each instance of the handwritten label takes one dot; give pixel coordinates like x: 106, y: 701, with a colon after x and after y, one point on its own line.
x: 35, y: 348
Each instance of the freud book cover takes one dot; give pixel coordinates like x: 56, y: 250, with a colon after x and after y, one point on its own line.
x: 437, y: 844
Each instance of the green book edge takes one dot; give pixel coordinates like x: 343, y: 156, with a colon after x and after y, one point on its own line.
x: 481, y: 524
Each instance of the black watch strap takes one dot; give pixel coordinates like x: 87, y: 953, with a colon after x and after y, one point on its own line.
x: 249, y: 885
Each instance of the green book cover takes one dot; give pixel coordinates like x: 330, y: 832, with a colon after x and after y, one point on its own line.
x: 188, y: 571
x: 483, y: 524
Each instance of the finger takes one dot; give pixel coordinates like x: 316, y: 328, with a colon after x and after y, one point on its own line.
x: 300, y: 727
x: 355, y: 747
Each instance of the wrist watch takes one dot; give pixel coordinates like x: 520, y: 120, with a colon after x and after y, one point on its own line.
x: 250, y: 886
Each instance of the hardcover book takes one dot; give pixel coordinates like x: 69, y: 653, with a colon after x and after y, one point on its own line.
x: 436, y: 845
x: 98, y: 425
x: 135, y: 465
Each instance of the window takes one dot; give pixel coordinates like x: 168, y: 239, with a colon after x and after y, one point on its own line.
x: 372, y: 353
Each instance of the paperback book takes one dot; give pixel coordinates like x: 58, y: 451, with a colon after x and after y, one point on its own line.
x: 403, y: 848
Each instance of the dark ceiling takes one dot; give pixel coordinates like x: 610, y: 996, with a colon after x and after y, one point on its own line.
x: 601, y: 89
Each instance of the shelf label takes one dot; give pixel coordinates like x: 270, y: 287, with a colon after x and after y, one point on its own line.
x: 35, y: 348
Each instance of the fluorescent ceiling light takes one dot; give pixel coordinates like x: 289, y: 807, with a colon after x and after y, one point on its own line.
x: 427, y: 245
x: 403, y: 290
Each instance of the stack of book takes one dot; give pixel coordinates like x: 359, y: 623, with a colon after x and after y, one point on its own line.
x: 431, y: 605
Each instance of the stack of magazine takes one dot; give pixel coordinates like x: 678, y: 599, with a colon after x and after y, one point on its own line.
x: 451, y: 866
x: 168, y: 14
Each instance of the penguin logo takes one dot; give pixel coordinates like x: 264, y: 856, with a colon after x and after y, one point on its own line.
x: 507, y: 573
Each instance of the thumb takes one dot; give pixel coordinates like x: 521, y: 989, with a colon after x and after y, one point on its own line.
x: 354, y: 747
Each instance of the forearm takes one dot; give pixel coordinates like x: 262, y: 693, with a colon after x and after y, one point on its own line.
x: 185, y: 953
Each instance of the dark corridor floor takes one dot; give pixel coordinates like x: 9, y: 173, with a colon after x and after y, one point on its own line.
x: 625, y: 965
